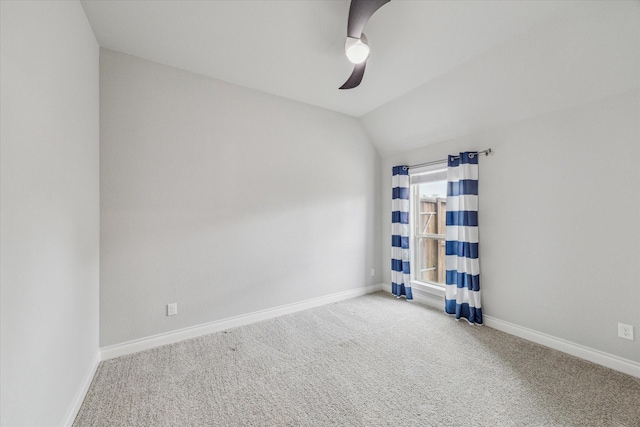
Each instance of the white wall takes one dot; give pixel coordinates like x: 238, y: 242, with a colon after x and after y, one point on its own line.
x: 559, y: 230
x: 49, y: 210
x: 225, y: 200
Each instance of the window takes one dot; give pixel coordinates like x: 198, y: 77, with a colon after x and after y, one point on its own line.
x: 428, y: 204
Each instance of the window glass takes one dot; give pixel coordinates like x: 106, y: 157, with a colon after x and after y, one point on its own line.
x: 428, y: 222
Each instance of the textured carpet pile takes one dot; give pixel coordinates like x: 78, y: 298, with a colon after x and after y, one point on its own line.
x: 368, y: 361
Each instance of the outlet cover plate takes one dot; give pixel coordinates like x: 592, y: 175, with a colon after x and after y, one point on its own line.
x: 172, y: 309
x: 625, y: 331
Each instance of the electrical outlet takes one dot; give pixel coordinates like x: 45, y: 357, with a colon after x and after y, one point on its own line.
x: 172, y: 309
x: 373, y: 272
x: 625, y: 331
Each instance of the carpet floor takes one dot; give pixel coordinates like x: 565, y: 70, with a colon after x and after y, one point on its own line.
x: 367, y: 361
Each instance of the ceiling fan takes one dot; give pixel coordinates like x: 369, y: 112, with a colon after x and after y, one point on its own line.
x: 356, y: 47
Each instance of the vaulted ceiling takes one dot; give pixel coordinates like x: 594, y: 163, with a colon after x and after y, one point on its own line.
x: 438, y: 68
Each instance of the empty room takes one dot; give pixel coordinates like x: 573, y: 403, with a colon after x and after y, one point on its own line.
x: 319, y: 213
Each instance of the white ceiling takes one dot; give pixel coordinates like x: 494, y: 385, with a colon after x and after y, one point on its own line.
x: 295, y: 49
x: 588, y: 53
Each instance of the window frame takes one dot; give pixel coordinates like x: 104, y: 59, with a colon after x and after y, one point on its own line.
x: 427, y: 286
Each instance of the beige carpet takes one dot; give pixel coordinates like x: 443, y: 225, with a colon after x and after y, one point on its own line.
x: 368, y: 361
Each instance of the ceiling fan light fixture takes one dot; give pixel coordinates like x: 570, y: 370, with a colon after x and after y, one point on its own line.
x: 357, y: 50
x: 357, y: 47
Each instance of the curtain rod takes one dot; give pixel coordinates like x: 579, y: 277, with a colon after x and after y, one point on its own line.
x: 437, y: 162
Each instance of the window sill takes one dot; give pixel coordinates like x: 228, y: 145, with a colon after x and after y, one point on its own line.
x: 428, y: 288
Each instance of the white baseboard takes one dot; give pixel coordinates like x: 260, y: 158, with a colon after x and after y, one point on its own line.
x: 596, y: 356
x: 428, y: 298
x: 135, y: 346
x: 611, y: 361
x: 424, y: 296
x: 81, y: 393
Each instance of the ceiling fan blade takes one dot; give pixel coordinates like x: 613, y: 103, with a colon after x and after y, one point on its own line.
x: 356, y: 77
x: 359, y: 13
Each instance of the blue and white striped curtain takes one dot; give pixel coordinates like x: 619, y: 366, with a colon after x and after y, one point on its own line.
x: 400, y: 270
x: 462, y: 290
